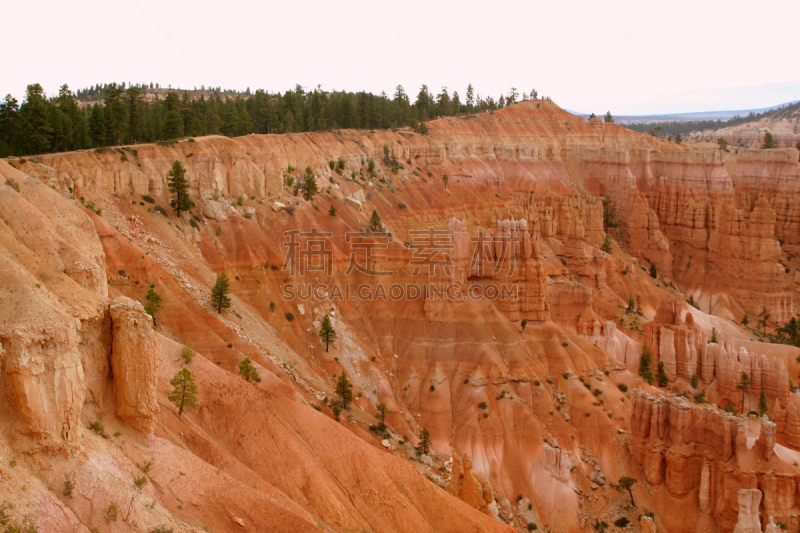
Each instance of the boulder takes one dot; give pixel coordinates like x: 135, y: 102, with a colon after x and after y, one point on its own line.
x: 215, y: 211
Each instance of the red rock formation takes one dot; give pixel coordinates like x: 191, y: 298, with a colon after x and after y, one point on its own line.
x: 690, y: 446
x: 134, y: 362
x: 673, y: 341
x: 522, y: 171
x: 748, y: 521
x: 792, y: 430
x: 469, y: 487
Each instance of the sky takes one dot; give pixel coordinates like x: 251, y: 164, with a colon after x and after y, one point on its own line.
x: 626, y: 56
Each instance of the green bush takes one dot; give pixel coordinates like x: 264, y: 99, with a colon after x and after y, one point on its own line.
x: 289, y: 316
x: 69, y: 485
x: 622, y: 387
x: 98, y: 427
x: 149, y: 199
x: 112, y: 511
x: 161, y: 210
x: 188, y: 353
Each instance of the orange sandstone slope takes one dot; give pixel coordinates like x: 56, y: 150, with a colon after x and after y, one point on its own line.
x: 529, y: 425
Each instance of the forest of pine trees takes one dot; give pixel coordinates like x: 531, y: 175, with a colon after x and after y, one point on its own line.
x: 114, y: 114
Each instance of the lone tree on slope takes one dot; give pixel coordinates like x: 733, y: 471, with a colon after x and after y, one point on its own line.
x: 769, y: 141
x: 326, y: 332
x: 152, y: 303
x: 645, y: 371
x: 627, y: 483
x: 309, y: 186
x: 248, y: 371
x: 219, y: 293
x: 762, y: 404
x: 661, y: 375
x: 424, y: 445
x: 345, y: 390
x: 184, y: 391
x: 382, y: 412
x: 375, y: 221
x: 176, y: 180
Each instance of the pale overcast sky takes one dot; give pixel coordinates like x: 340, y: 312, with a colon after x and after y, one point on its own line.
x: 627, y: 56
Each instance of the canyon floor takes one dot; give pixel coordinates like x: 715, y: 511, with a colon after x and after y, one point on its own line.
x: 614, y: 243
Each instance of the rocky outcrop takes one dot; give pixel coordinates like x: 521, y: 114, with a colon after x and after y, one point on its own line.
x: 687, y: 446
x: 673, y: 341
x: 468, y: 486
x: 505, y: 260
x: 134, y: 363
x: 45, y: 383
x: 53, y: 299
x: 586, y: 261
x: 748, y: 521
x: 745, y: 253
x: 767, y: 374
x: 792, y: 431
x: 685, y: 351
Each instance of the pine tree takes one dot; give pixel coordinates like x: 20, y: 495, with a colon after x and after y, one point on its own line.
x: 97, y: 126
x: 115, y: 113
x: 769, y: 141
x: 653, y: 270
x: 627, y: 483
x: 184, y: 392
x: 445, y: 179
x: 179, y: 186
x: 524, y: 323
x: 134, y: 101
x: 332, y: 212
x: 9, y: 121
x: 606, y: 246
x: 344, y: 389
x: 248, y: 371
x: 743, y: 385
x: 424, y: 445
x: 375, y: 221
x: 661, y: 375
x: 173, y: 126
x: 763, y: 318
x: 714, y: 337
x: 309, y: 186
x: 382, y: 411
x: 645, y: 360
x: 762, y: 404
x: 152, y: 303
x: 608, y: 117
x: 219, y: 294
x: 37, y: 130
x: 608, y: 213
x: 326, y: 332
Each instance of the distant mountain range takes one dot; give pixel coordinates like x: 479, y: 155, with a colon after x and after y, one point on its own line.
x: 689, y: 117
x: 704, y: 104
